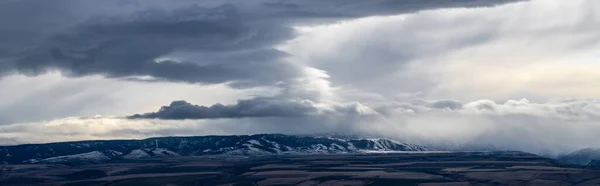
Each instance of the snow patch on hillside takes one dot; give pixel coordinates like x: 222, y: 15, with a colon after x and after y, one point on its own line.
x: 94, y: 156
x: 254, y: 142
x: 137, y: 154
x: 163, y: 153
x: 113, y: 153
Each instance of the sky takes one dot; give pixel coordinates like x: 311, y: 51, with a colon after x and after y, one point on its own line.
x: 503, y: 74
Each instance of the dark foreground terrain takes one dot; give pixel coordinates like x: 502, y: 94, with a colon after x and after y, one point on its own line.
x: 461, y: 168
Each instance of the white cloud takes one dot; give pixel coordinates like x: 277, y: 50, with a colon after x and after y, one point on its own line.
x: 540, y: 49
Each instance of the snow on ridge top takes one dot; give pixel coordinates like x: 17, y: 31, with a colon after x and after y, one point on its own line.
x: 388, y: 144
x: 383, y: 143
x: 90, y: 156
x: 113, y: 153
x: 254, y: 142
x: 385, y: 140
x: 136, y: 154
x: 336, y: 146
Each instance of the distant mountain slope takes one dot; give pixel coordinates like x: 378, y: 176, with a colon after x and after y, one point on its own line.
x: 581, y: 157
x: 262, y: 144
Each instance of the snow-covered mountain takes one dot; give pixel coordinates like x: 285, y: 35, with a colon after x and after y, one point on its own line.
x: 247, y: 145
x: 582, y: 157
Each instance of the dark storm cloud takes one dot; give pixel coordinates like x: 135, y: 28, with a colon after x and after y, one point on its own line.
x: 361, y: 8
x: 129, y: 46
x: 123, y: 40
x: 257, y: 107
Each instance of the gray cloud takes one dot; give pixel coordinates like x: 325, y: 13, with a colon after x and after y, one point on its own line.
x: 129, y: 46
x: 257, y: 107
x: 285, y: 107
x: 446, y: 104
x: 124, y: 40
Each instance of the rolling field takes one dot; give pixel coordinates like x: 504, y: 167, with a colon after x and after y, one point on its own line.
x: 460, y: 168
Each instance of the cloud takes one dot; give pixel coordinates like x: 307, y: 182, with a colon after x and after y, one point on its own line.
x: 446, y: 104
x: 225, y: 41
x: 406, y: 70
x: 129, y: 46
x: 549, y: 127
x: 201, y: 42
x: 257, y: 107
x: 510, y: 51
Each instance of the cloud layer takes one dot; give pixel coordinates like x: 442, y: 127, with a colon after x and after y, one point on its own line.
x: 206, y: 42
x: 517, y: 50
x: 549, y: 128
x: 448, y: 73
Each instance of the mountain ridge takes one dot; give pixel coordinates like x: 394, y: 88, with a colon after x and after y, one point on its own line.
x: 586, y: 156
x: 247, y: 145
